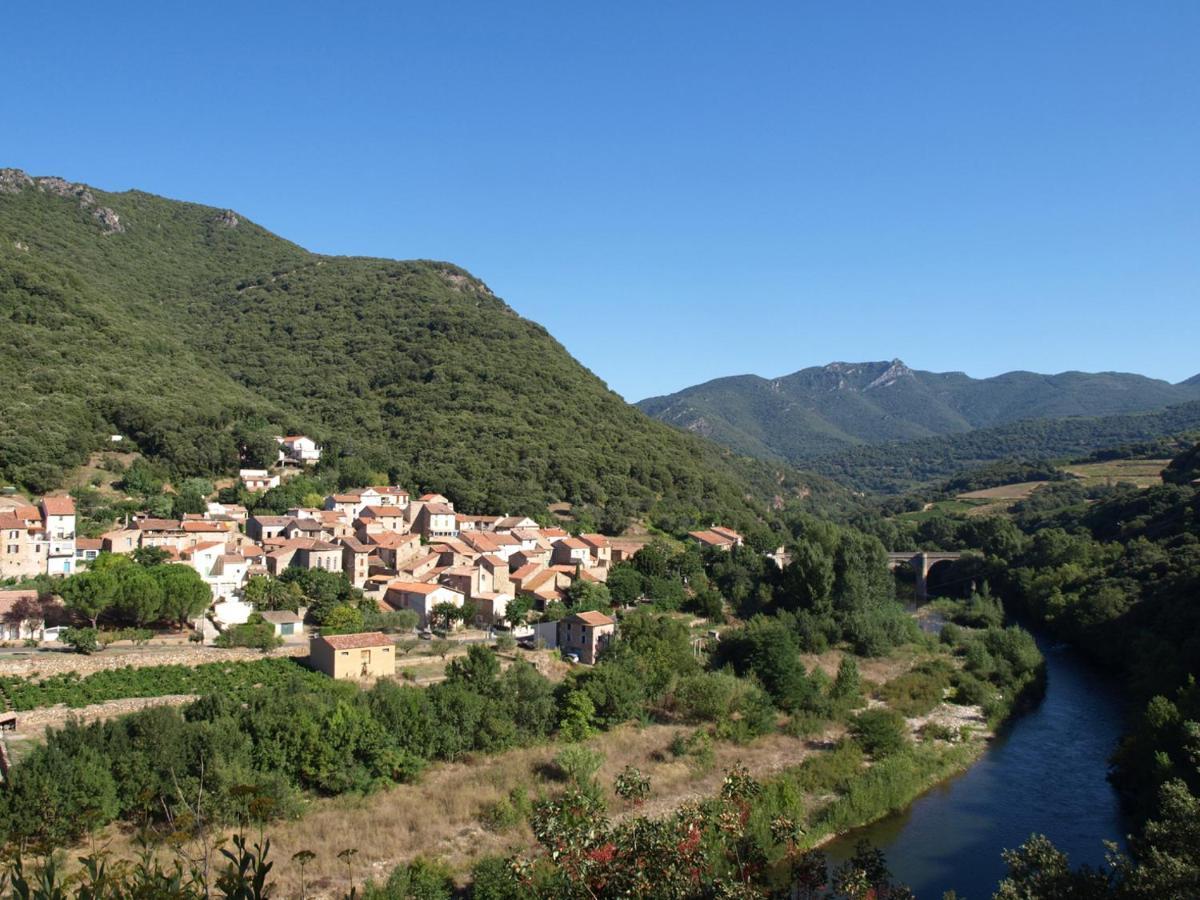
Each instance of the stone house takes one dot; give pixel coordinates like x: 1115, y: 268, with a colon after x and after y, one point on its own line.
x: 353, y: 656
x: 586, y: 634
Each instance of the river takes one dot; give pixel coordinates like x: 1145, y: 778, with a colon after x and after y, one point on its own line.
x: 1044, y: 773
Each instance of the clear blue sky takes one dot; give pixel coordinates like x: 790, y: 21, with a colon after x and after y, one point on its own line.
x: 680, y: 190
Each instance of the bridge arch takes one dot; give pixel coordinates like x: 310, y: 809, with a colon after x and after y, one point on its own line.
x: 921, y: 562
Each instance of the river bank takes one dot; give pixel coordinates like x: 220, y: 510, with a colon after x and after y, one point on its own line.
x: 1045, y: 772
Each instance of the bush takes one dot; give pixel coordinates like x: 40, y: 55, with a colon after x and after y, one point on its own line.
x: 81, y: 640
x: 259, y: 636
x: 880, y: 732
x: 492, y: 878
x: 507, y: 812
x: 916, y: 693
x: 578, y: 763
x: 421, y: 879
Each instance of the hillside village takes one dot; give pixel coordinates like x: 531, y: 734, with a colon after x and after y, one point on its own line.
x: 450, y: 569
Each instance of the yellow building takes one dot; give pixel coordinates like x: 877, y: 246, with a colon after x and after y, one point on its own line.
x: 368, y: 655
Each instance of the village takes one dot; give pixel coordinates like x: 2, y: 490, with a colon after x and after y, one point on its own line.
x: 450, y: 570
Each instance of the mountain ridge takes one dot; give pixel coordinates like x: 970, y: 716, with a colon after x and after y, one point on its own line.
x: 819, y: 409
x: 190, y: 330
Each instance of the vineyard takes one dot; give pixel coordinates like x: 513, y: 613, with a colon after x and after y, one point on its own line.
x: 234, y: 679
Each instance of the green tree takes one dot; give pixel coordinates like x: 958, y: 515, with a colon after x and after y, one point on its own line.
x: 139, y: 596
x: 89, y: 594
x: 184, y: 593
x: 343, y: 619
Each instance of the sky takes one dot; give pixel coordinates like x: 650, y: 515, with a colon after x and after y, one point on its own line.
x: 680, y: 190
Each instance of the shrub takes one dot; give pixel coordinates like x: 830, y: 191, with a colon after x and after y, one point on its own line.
x: 879, y: 732
x: 916, y: 693
x: 507, y: 812
x: 81, y: 640
x: 259, y: 636
x: 492, y: 878
x: 578, y: 763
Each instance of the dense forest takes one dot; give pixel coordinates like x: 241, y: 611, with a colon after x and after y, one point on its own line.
x: 198, y: 335
x: 824, y: 409
x: 899, y: 467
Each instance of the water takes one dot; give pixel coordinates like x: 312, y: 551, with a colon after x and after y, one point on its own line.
x: 1045, y: 773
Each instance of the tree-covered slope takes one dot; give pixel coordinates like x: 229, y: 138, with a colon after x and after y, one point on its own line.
x: 821, y: 409
x: 191, y: 330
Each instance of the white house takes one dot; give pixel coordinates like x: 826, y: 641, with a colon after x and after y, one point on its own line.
x: 58, y: 514
x: 258, y: 480
x: 421, y: 598
x: 298, y: 448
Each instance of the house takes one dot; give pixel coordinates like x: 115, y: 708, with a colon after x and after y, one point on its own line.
x: 22, y: 616
x: 121, y: 540
x: 23, y: 545
x: 491, y: 608
x: 586, y: 634
x: 381, y: 518
x: 356, y: 558
x: 285, y: 622
x: 262, y: 528
x: 305, y: 553
x: 571, y: 552
x: 717, y: 537
x: 350, y: 656
x: 421, y: 598
x: 512, y: 523
x: 600, y: 550
x: 346, y: 504
x: 436, y: 520
x: 394, y: 550
x: 86, y: 550
x: 257, y: 480
x: 299, y: 449
x: 165, y: 533
x: 58, y: 519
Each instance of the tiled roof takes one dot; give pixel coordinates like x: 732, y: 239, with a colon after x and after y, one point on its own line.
x: 357, y: 641
x: 58, y: 506
x: 591, y: 618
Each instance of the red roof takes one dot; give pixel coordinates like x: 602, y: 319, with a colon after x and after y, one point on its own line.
x: 592, y: 618
x: 356, y: 641
x: 58, y: 506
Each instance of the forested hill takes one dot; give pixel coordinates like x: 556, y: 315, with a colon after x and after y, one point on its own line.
x: 904, y: 465
x: 195, y: 333
x: 822, y: 409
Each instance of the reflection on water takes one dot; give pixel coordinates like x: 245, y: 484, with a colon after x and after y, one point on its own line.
x: 1045, y: 774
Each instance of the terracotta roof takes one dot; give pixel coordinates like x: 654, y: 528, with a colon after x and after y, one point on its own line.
x: 591, y: 618
x: 416, y: 587
x: 572, y: 543
x: 194, y: 527
x: 292, y: 438
x: 712, y: 538
x: 58, y: 506
x: 312, y: 544
x: 354, y: 545
x: 357, y: 641
x: 426, y: 498
x: 156, y: 525
x: 594, y: 540
x: 380, y: 511
x: 526, y: 570
x: 439, y: 509
x: 344, y: 498
x: 495, y: 562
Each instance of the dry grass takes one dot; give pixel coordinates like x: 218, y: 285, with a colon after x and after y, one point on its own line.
x: 443, y: 815
x: 1004, y: 492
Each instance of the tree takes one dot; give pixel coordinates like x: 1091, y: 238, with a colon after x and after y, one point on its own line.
x: 184, y: 593
x: 625, y: 584
x: 517, y: 611
x: 343, y: 619
x: 150, y: 556
x: 90, y: 593
x: 139, y: 596
x: 576, y: 721
x: 585, y: 595
x: 81, y: 640
x: 266, y: 593
x: 444, y: 615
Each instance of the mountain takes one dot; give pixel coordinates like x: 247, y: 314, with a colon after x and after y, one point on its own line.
x: 900, y: 466
x: 826, y: 408
x: 1194, y: 381
x: 196, y: 334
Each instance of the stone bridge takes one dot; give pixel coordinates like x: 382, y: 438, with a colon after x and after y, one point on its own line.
x: 921, y: 562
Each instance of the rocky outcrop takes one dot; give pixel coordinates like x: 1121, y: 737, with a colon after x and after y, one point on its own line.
x: 13, y: 181
x: 229, y: 219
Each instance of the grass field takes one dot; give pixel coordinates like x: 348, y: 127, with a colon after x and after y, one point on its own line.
x: 1142, y: 472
